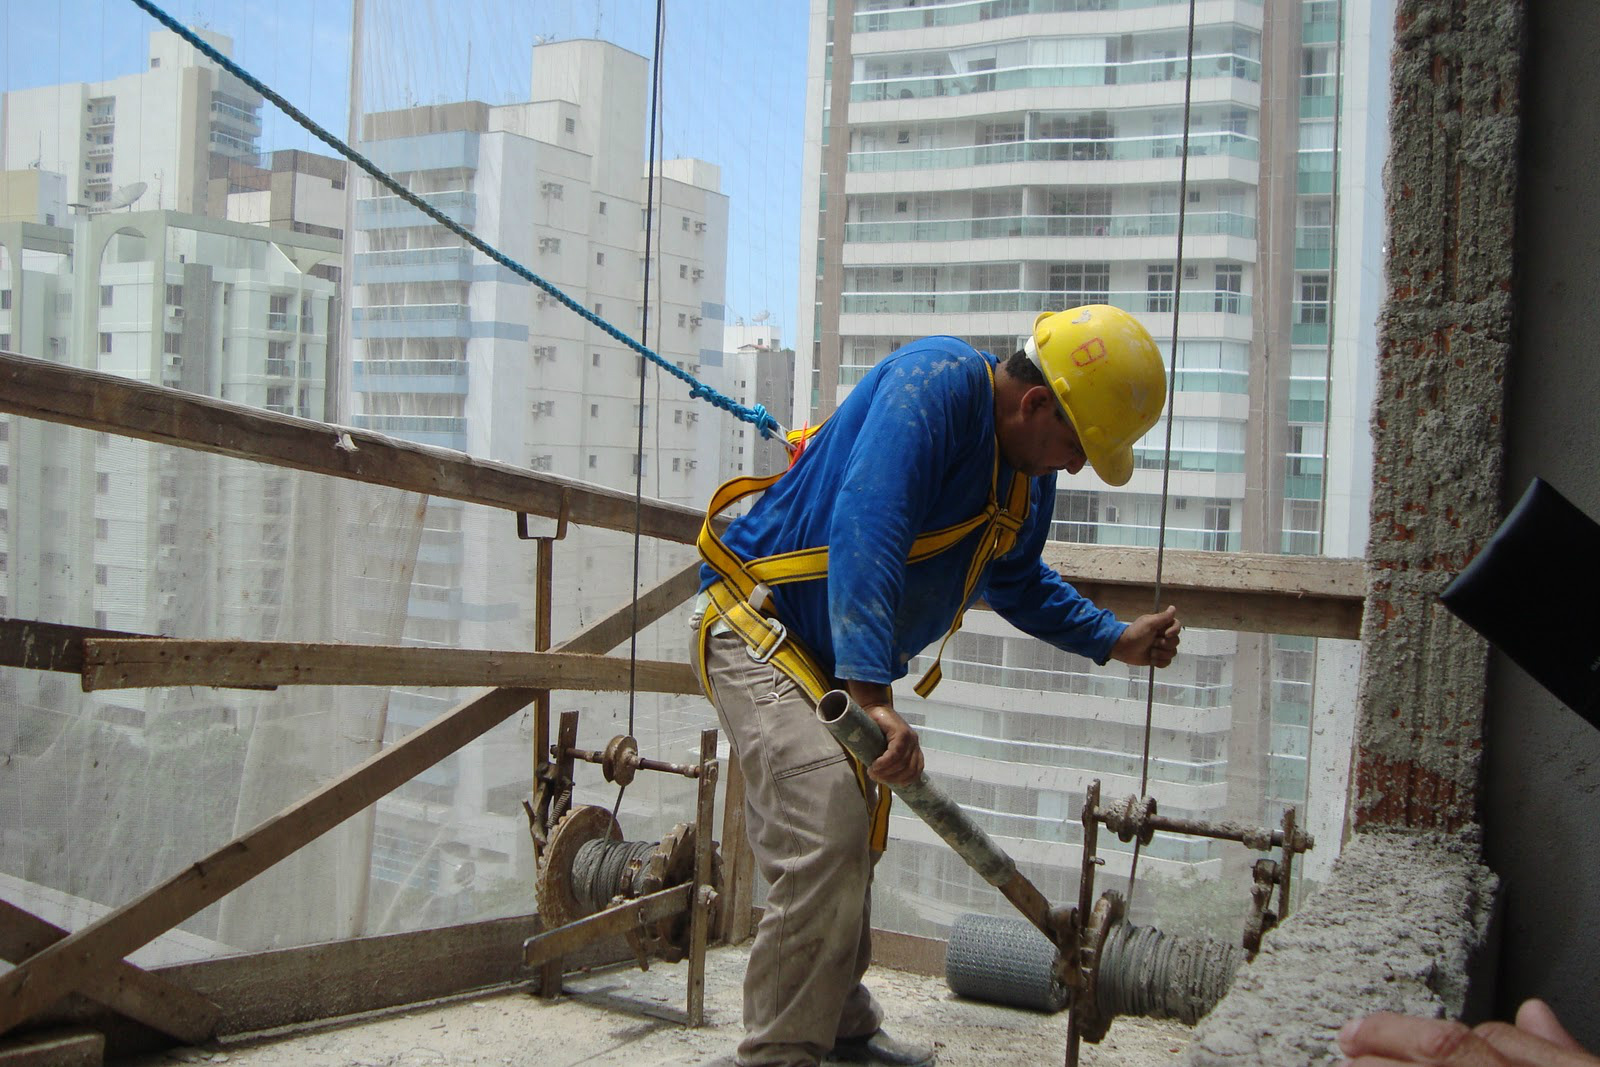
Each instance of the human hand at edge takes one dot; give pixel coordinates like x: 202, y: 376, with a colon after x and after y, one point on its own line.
x: 1536, y: 1040
x: 902, y: 760
x: 1149, y: 639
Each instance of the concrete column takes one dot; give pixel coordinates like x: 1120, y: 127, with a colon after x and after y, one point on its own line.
x: 1438, y: 433
x: 835, y: 161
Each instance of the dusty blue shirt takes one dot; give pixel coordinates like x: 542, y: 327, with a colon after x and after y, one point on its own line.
x: 911, y: 449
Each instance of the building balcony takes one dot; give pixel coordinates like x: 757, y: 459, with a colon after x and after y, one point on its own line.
x: 1131, y: 72
x: 414, y: 265
x: 282, y: 322
x: 236, y: 117
x: 411, y: 320
x: 410, y: 376
x: 1015, y: 301
x: 1195, y: 223
x: 1207, y: 461
x: 289, y: 368
x: 393, y: 212
x: 454, y: 150
x: 1310, y: 333
x: 916, y: 18
x: 1057, y: 150
x: 446, y: 431
x: 1136, y: 535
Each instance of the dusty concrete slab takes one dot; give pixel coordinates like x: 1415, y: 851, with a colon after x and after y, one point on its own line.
x: 1394, y: 929
x: 623, y: 1017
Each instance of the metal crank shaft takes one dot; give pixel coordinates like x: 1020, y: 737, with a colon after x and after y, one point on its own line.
x: 856, y: 731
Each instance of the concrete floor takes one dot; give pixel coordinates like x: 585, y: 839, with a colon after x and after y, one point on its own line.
x: 623, y: 1017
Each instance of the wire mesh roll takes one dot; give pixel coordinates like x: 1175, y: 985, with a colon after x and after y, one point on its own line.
x: 598, y: 869
x: 1003, y: 961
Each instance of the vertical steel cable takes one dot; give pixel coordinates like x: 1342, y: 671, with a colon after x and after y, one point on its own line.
x: 644, y: 328
x: 1172, y: 396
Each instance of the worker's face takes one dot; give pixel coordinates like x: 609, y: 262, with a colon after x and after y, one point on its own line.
x: 1044, y: 440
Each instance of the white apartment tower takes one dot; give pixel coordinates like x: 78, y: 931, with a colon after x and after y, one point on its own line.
x: 162, y: 127
x: 971, y: 163
x: 452, y: 349
x: 756, y: 369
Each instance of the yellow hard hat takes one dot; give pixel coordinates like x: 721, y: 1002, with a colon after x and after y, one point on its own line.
x: 1107, y: 373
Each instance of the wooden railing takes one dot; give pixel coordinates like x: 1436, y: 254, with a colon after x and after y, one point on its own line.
x: 1268, y: 594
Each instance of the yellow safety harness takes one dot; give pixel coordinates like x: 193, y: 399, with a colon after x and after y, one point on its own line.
x: 741, y: 598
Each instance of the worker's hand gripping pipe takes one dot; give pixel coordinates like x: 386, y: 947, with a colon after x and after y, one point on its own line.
x: 860, y: 735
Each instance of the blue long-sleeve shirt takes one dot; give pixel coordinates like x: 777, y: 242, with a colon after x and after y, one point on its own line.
x: 911, y: 449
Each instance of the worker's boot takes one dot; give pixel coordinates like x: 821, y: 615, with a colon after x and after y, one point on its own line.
x: 879, y: 1048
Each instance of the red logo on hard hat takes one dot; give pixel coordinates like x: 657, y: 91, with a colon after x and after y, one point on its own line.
x: 1091, y: 351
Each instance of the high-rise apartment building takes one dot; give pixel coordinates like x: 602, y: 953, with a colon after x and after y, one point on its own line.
x: 973, y: 163
x: 452, y: 349
x: 756, y: 369
x: 161, y: 127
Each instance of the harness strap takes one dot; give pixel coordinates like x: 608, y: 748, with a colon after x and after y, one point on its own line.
x: 745, y: 586
x: 999, y: 536
x: 769, y: 642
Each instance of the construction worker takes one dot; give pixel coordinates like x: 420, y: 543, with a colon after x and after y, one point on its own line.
x: 930, y: 486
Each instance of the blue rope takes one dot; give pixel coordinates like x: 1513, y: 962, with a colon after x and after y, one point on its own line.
x: 698, y: 390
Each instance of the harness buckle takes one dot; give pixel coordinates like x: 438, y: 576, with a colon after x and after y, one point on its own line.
x: 775, y: 636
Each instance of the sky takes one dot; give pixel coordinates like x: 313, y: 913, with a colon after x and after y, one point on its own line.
x: 732, y: 72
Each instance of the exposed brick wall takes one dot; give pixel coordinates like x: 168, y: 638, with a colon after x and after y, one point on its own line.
x: 1438, y: 432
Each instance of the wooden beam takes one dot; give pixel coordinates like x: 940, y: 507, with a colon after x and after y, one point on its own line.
x: 62, y: 967
x: 71, y: 962
x: 120, y: 663
x: 648, y: 608
x: 158, y: 1004
x: 739, y: 863
x: 66, y: 1048
x: 1310, y: 595
x: 55, y: 392
x: 652, y: 606
x: 47, y: 646
x: 608, y: 923
x: 309, y: 983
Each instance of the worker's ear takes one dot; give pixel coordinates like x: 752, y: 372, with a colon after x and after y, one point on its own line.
x: 1038, y: 398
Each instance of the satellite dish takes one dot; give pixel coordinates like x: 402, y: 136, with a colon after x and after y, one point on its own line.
x: 123, y: 197
x: 761, y: 316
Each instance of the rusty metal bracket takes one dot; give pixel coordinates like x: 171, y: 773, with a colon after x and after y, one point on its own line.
x: 562, y: 514
x: 1137, y: 818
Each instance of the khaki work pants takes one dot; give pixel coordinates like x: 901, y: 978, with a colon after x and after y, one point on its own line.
x: 807, y: 823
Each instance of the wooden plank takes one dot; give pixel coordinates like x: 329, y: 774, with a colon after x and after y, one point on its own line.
x: 653, y: 605
x: 700, y: 917
x: 70, y: 962
x: 1308, y: 595
x: 1246, y: 612
x: 1244, y: 572
x: 47, y: 646
x: 284, y: 987
x: 62, y: 967
x: 136, y: 993
x: 55, y: 392
x: 612, y: 922
x: 649, y: 607
x: 311, y: 983
x: 908, y: 952
x: 121, y: 663
x: 66, y: 1048
x: 739, y: 863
